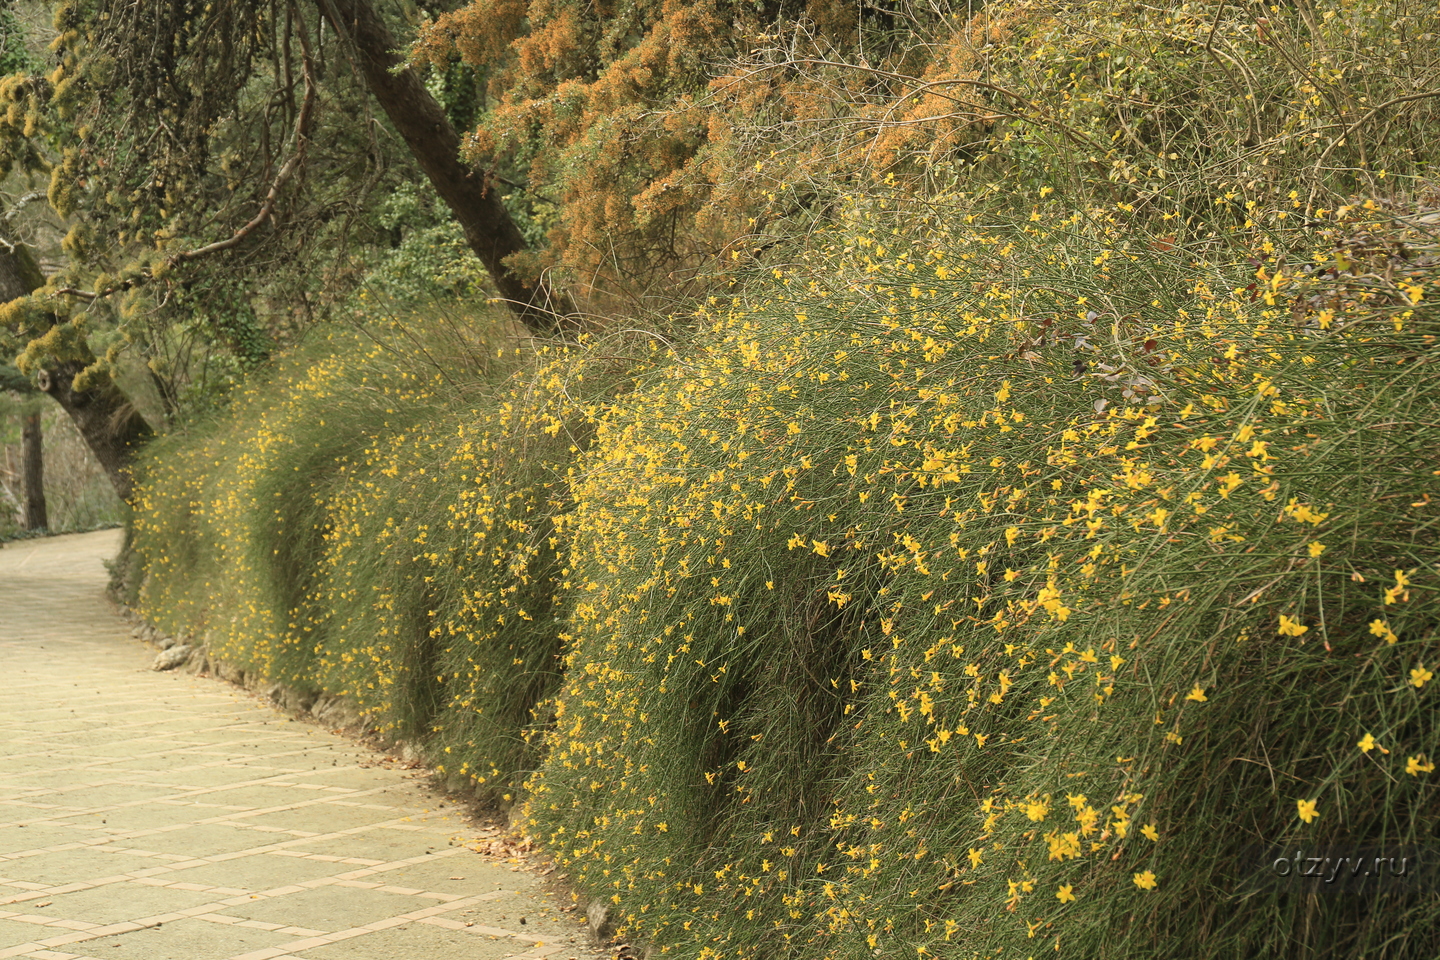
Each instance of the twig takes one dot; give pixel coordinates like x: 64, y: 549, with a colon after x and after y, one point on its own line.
x: 302, y: 141
x: 21, y: 203
x: 921, y: 87
x: 303, y: 123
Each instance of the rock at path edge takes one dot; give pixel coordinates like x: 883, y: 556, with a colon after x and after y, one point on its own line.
x: 173, y: 657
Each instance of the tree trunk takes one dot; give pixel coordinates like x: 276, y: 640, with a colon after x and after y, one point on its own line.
x: 113, y: 429
x: 109, y: 423
x: 33, y: 473
x: 488, y: 227
x: 19, y: 273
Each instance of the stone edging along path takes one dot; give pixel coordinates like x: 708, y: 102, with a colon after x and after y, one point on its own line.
x: 152, y: 815
x: 334, y: 713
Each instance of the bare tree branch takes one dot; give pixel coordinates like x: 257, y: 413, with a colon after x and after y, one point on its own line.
x: 304, y: 122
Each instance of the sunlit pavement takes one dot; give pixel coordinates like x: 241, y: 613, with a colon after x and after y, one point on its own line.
x: 160, y: 816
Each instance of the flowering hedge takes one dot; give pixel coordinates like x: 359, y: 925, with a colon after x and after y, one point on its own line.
x: 969, y: 588
x: 929, y: 609
x: 365, y: 526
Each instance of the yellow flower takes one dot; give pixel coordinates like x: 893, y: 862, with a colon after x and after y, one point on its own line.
x: 1307, y: 810
x: 1317, y: 548
x: 1145, y: 881
x: 1064, y: 895
x: 1366, y: 743
x: 1304, y: 513
x: 1398, y: 592
x: 1382, y: 629
x: 1197, y: 694
x: 1150, y: 832
x: 1420, y: 676
x: 1418, y: 765
x: 1291, y: 628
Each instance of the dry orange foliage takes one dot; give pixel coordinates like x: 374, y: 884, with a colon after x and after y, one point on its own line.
x: 653, y: 126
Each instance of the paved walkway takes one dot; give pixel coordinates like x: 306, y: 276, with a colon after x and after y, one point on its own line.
x: 159, y: 816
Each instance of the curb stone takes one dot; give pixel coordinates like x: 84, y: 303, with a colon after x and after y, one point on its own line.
x: 171, y: 655
x: 333, y: 712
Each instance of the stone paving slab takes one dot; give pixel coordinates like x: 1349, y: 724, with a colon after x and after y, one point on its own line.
x: 160, y: 816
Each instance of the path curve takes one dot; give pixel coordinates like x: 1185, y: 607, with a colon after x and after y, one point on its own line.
x: 160, y: 816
